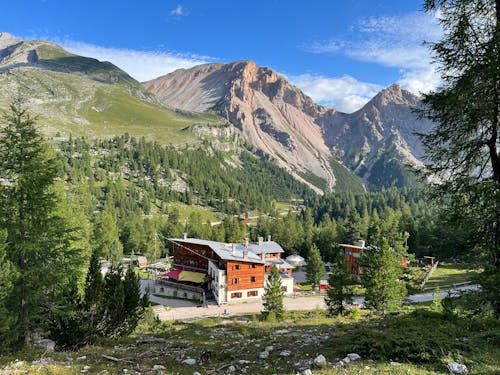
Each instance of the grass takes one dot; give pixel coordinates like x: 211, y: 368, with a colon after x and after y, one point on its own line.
x: 86, y: 105
x: 447, y: 274
x: 420, y: 341
x: 185, y: 211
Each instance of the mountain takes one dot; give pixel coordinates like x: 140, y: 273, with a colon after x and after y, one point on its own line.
x: 306, y: 138
x: 379, y: 137
x: 272, y: 115
x: 78, y: 95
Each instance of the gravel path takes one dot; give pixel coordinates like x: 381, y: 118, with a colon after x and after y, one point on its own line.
x: 173, y: 309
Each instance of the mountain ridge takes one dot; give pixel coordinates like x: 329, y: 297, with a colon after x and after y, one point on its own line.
x: 301, y: 135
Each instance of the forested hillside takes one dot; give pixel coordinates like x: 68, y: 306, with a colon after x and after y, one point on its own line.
x: 134, y: 189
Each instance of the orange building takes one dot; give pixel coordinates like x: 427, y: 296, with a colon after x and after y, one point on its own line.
x: 235, y: 272
x: 352, y: 257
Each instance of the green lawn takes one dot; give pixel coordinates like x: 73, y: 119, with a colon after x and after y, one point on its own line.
x: 186, y: 210
x: 451, y: 273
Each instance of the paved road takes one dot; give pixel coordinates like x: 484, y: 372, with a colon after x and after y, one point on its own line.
x: 172, y: 309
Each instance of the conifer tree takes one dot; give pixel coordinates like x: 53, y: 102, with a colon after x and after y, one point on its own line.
x: 39, y: 242
x: 381, y: 277
x: 315, y: 268
x: 340, y: 284
x: 7, y: 279
x: 133, y: 304
x: 273, y: 296
x: 114, y: 297
x: 94, y: 284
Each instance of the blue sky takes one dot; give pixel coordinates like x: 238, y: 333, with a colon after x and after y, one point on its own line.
x: 340, y: 52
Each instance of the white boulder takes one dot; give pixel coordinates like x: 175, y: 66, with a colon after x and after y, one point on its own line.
x: 320, y: 361
x: 457, y: 368
x: 354, y: 356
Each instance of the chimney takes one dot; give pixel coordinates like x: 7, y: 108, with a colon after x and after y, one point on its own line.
x: 247, y: 243
x: 362, y: 243
x: 233, y: 248
x: 184, y: 236
x: 269, y: 238
x: 260, y: 240
x: 245, y: 254
x: 262, y: 256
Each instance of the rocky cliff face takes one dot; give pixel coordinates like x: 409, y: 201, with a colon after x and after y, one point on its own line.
x: 387, y: 122
x: 277, y: 118
x: 271, y: 114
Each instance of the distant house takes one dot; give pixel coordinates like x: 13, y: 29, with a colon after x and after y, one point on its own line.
x: 235, y: 272
x: 299, y: 208
x: 295, y: 260
x: 141, y: 261
x: 352, y: 256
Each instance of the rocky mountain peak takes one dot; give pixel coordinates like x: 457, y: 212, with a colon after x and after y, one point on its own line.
x: 7, y: 39
x: 394, y: 94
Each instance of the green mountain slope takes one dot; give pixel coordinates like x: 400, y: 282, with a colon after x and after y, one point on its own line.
x: 83, y: 96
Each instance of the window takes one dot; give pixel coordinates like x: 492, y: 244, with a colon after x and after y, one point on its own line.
x: 252, y: 279
x: 235, y: 280
x: 254, y: 266
x: 252, y: 293
x: 236, y: 295
x: 235, y: 267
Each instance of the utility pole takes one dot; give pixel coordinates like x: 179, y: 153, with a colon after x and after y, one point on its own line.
x: 155, y: 238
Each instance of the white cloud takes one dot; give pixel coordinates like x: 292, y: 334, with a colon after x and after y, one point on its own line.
x: 395, y: 42
x: 142, y: 65
x: 345, y: 94
x: 177, y: 11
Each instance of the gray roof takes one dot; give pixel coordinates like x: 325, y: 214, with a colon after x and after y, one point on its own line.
x: 225, y: 250
x: 281, y: 263
x: 266, y: 247
x: 353, y: 246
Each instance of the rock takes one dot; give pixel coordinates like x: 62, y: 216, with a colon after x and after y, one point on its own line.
x: 264, y: 354
x: 395, y: 363
x: 189, y: 361
x: 354, y: 356
x: 196, y: 373
x: 125, y: 371
x: 346, y: 360
x: 47, y: 344
x: 285, y: 353
x: 231, y: 369
x: 244, y: 362
x: 457, y: 368
x: 320, y: 361
x: 269, y: 348
x: 307, y: 372
x: 82, y: 358
x: 159, y: 367
x: 85, y: 369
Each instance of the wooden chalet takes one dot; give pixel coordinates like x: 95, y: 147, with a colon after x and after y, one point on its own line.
x: 236, y: 272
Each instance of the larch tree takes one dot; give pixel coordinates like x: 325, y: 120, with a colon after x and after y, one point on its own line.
x: 382, y: 273
x: 464, y: 147
x: 273, y: 296
x: 340, y: 287
x: 315, y: 268
x: 40, y: 240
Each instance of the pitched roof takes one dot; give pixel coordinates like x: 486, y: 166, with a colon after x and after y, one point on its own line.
x: 266, y: 247
x: 225, y: 250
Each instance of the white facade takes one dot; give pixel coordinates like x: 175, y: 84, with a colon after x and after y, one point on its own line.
x: 218, y: 283
x: 244, y: 295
